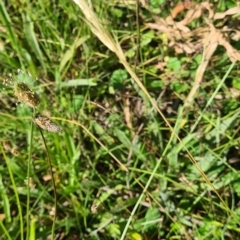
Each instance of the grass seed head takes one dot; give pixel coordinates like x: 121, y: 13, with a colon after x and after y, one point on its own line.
x: 25, y: 95
x: 47, y: 124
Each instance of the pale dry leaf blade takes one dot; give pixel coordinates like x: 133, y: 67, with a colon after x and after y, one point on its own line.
x: 158, y: 27
x: 236, y: 35
x: 191, y: 15
x: 211, y: 45
x: 233, y: 54
x: 181, y: 27
x: 232, y: 11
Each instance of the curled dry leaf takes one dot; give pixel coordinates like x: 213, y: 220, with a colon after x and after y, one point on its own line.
x: 233, y: 54
x: 180, y: 7
x: 211, y: 43
x: 197, y: 11
x: 236, y: 35
x: 232, y: 11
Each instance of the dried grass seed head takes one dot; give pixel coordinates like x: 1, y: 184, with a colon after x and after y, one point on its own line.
x: 47, y: 124
x: 25, y: 95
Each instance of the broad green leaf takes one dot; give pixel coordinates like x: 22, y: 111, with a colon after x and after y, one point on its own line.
x: 118, y: 77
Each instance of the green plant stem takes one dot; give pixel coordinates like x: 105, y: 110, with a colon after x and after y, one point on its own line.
x: 5, y: 230
x: 53, y: 183
x: 28, y: 177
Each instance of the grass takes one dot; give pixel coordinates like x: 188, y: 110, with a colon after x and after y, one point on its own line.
x: 134, y: 159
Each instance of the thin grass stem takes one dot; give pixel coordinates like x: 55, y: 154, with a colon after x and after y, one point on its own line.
x: 5, y: 230
x: 53, y: 183
x: 28, y: 176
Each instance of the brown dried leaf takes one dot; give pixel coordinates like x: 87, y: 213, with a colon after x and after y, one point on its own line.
x: 186, y: 47
x: 173, y: 26
x: 192, y: 14
x: 232, y: 11
x: 197, y: 12
x: 180, y: 7
x: 233, y: 54
x: 179, y: 26
x: 211, y: 43
x: 185, y: 40
x: 159, y: 27
x: 236, y: 35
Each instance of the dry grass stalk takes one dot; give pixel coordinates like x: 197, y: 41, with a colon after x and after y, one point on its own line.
x: 105, y: 37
